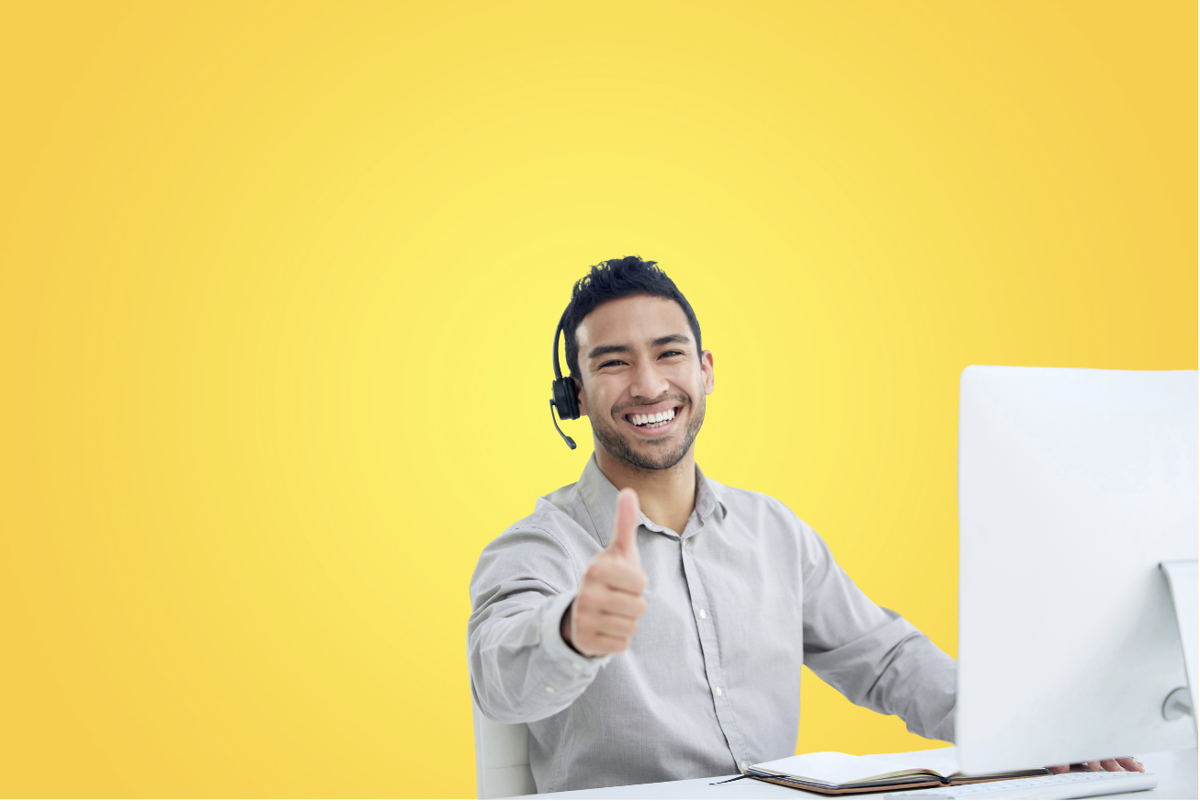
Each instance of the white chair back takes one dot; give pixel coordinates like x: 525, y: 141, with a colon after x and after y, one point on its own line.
x: 501, y: 758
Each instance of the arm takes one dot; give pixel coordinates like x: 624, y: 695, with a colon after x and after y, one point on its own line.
x: 524, y: 582
x: 873, y: 656
x: 879, y: 660
x: 530, y: 629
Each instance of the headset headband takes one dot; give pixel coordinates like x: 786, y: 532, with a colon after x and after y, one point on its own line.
x: 565, y: 397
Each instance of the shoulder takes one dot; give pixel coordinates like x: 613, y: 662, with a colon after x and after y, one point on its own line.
x: 748, y: 504
x: 550, y: 543
x: 762, y: 515
x: 555, y: 518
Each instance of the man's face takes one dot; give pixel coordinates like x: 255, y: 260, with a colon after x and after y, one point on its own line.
x: 643, y: 382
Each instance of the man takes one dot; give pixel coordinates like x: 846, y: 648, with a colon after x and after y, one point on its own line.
x: 726, y: 590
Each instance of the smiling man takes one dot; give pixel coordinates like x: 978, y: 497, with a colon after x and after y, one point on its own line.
x: 729, y: 593
x: 648, y: 622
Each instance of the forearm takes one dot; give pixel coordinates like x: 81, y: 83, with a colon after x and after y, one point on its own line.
x: 921, y: 684
x: 895, y: 670
x: 521, y: 668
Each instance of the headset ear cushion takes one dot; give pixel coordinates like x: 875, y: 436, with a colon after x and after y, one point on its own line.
x: 566, y: 400
x: 572, y: 396
x: 560, y: 403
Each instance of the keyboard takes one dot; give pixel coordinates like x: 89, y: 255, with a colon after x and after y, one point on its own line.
x: 1062, y: 785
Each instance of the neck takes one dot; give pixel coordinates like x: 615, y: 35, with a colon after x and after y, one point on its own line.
x: 667, y: 496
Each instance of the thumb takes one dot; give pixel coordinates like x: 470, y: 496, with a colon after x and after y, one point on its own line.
x: 624, y: 541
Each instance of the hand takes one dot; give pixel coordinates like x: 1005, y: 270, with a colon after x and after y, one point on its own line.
x: 1118, y: 765
x: 604, y: 615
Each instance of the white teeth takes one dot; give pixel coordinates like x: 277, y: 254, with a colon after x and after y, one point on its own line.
x: 653, y: 420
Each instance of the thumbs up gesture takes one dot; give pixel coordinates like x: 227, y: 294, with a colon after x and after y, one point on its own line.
x: 604, y: 615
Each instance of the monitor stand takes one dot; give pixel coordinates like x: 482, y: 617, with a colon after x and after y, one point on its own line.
x: 1182, y: 580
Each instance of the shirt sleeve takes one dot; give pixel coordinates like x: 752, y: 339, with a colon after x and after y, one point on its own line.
x: 871, y: 655
x: 521, y: 669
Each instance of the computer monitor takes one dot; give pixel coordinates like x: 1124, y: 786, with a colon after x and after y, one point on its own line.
x: 1073, y: 486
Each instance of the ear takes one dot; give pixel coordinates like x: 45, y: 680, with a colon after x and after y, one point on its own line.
x: 583, y: 411
x: 706, y: 367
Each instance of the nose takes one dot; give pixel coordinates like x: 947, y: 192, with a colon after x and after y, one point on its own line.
x: 648, y: 382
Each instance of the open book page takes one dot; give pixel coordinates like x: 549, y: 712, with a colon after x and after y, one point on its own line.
x: 944, y: 762
x: 832, y: 768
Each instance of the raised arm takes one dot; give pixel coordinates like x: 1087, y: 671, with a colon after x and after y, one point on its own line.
x: 543, y: 624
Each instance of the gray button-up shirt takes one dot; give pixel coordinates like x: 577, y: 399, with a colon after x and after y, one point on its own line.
x: 711, y: 681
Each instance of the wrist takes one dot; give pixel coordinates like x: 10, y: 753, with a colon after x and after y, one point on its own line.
x: 564, y: 628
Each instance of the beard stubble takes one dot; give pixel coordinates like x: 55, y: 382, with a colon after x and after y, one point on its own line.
x: 619, y: 447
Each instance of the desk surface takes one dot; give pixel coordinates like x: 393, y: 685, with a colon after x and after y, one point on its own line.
x: 1176, y: 772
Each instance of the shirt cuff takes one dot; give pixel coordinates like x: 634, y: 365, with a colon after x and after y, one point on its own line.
x: 563, y: 661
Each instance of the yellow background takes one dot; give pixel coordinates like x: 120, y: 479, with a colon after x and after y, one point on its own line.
x: 278, y: 283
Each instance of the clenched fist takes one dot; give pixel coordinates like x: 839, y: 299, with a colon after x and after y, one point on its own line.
x: 604, y: 615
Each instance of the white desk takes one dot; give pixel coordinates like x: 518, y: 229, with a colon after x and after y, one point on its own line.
x: 1176, y: 771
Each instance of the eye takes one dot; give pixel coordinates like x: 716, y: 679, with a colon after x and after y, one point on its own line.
x: 671, y: 353
x: 611, y: 363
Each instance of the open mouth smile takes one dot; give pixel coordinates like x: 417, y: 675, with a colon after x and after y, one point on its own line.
x: 650, y: 420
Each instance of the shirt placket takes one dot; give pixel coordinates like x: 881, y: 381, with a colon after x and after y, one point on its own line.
x: 722, y: 697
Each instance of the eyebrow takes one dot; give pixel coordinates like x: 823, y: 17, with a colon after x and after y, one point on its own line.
x: 604, y: 350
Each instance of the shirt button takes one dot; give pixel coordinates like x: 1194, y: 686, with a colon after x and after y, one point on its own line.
x: 743, y: 765
x: 703, y: 614
x: 717, y: 690
x: 550, y: 689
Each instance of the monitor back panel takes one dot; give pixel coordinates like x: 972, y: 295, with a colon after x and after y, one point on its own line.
x: 1072, y: 486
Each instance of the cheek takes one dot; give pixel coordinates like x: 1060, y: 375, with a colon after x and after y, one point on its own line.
x: 690, y: 382
x: 597, y: 398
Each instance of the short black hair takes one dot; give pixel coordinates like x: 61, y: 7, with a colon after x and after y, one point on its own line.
x: 613, y: 279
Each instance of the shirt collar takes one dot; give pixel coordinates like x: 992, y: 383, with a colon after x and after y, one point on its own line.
x: 600, y: 497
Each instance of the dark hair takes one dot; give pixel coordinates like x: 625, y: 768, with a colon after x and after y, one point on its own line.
x: 613, y: 279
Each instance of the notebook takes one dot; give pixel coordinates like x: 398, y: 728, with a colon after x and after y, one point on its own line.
x: 834, y: 773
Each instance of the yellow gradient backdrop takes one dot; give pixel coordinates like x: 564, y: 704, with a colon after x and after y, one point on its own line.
x: 278, y: 283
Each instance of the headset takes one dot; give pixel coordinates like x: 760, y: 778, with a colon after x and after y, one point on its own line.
x: 566, y: 397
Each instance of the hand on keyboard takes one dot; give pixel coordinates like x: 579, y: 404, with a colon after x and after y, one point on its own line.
x: 1117, y: 765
